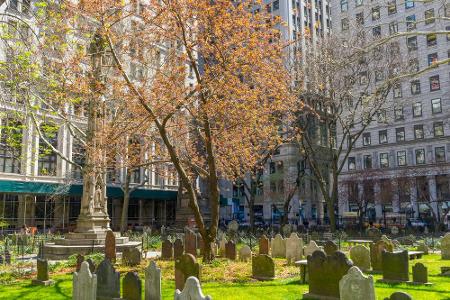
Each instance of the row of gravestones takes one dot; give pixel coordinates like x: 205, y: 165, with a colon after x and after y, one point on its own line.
x: 105, y: 284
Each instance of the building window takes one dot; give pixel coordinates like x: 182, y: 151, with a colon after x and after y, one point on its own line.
x: 435, y: 84
x: 393, y: 27
x: 418, y: 132
x: 429, y: 16
x: 375, y: 13
x: 276, y: 5
x: 382, y: 116
x: 367, y: 161
x: 384, y: 160
x: 392, y: 7
x: 366, y: 139
x: 439, y: 154
x: 360, y: 18
x: 379, y: 75
x: 10, y: 146
x: 398, y: 113
x: 273, y: 187
x: 363, y: 79
x: 420, y: 156
x: 358, y: 2
x: 272, y: 168
x: 376, y: 31
x: 436, y: 105
x: 431, y: 40
x: 13, y: 4
x: 415, y: 87
x: 411, y: 22
x: 344, y: 5
x: 351, y: 163
x: 438, y: 128
x: 383, y: 137
x: 432, y: 58
x: 401, y: 158
x: 400, y: 134
x: 409, y: 4
x: 47, y: 158
x: 397, y: 90
x: 411, y: 42
x: 344, y: 24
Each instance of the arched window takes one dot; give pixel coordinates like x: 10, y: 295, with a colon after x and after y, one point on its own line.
x: 10, y: 146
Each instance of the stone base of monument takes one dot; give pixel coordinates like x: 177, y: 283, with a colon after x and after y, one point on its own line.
x: 311, y: 296
x: 83, y: 243
x: 261, y: 278
x: 42, y: 282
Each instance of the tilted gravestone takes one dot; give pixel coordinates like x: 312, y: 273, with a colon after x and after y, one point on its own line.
x: 310, y: 248
x: 190, y: 242
x: 395, y: 266
x: 91, y: 265
x: 325, y: 272
x: 245, y: 253
x: 108, y: 281
x: 360, y: 255
x: 132, y: 286
x: 420, y: 274
x: 152, y: 282
x: 356, y: 286
x: 84, y: 284
x: 185, y: 266
x: 42, y: 273
x: 445, y: 246
x: 294, y: 248
x: 167, y: 249
x: 330, y: 247
x: 263, y: 267
x: 191, y: 291
x: 178, y: 248
x: 376, y: 249
x: 399, y: 296
x: 80, y: 259
x: 278, y: 246
x: 264, y: 245
x: 110, y: 246
x: 230, y: 250
x: 131, y: 256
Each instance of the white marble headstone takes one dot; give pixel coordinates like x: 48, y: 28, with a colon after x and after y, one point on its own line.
x: 84, y: 284
x: 191, y: 291
x: 152, y: 282
x: 356, y: 286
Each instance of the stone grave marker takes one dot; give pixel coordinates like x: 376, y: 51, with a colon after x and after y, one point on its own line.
x: 230, y: 250
x: 263, y: 267
x: 420, y: 274
x: 131, y: 256
x: 356, y: 286
x: 330, y: 247
x: 424, y: 248
x: 222, y: 245
x: 190, y: 242
x: 152, y: 282
x: 445, y: 271
x: 185, y: 266
x: 132, y: 286
x: 311, y: 248
x: 375, y: 253
x: 294, y: 248
x: 395, y: 266
x: 360, y: 255
x: 314, y: 236
x: 286, y: 230
x: 374, y: 233
x: 445, y: 246
x: 167, y: 249
x: 108, y: 281
x: 245, y: 253
x: 394, y: 230
x: 325, y: 272
x: 110, y: 246
x: 264, y: 245
x: 399, y: 296
x: 278, y: 246
x: 80, y: 259
x: 84, y: 284
x: 178, y: 248
x: 42, y: 273
x: 191, y: 291
x: 91, y: 265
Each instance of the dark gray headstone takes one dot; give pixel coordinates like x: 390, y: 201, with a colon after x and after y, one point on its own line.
x: 375, y: 253
x: 330, y: 247
x: 399, y: 296
x: 395, y: 266
x: 325, y: 272
x: 185, y: 266
x: 178, y: 248
x: 80, y: 259
x: 167, y: 249
x: 91, y: 265
x: 230, y: 250
x: 190, y: 242
x: 263, y: 267
x: 131, y: 256
x: 420, y: 273
x: 132, y: 286
x: 108, y: 281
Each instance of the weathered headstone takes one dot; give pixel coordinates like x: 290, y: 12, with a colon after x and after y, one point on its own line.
x: 325, y: 272
x: 310, y: 248
x: 185, y: 266
x: 330, y: 247
x: 424, y: 248
x: 395, y: 266
x: 399, y: 296
x: 245, y: 253
x: 42, y: 273
x: 445, y: 271
x: 132, y: 286
x: 278, y: 246
x: 420, y: 274
x: 263, y: 267
x: 375, y: 253
x: 294, y: 248
x: 108, y: 281
x: 91, y: 265
x: 190, y: 242
x: 152, y: 282
x: 445, y: 246
x: 360, y: 255
x: 167, y: 249
x: 178, y: 248
x: 80, y: 259
x: 110, y: 246
x: 230, y: 250
x: 84, y: 285
x: 222, y: 245
x: 191, y: 291
x: 131, y: 256
x: 356, y: 286
x: 286, y: 229
x: 264, y: 245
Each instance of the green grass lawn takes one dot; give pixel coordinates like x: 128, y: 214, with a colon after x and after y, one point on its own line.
x: 231, y: 280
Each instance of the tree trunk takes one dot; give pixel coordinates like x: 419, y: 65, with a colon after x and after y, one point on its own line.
x: 331, y: 201
x: 208, y: 254
x: 126, y: 202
